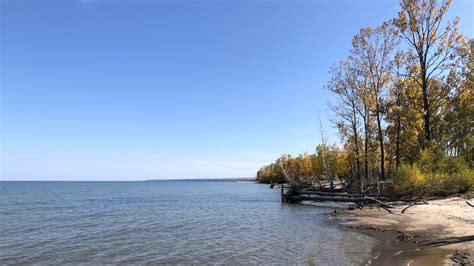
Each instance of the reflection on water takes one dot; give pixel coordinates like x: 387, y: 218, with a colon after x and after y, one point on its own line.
x: 166, y: 222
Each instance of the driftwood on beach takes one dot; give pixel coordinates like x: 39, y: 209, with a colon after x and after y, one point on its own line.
x: 341, y: 198
x: 298, y: 193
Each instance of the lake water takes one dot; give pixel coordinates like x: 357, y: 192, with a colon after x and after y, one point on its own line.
x: 218, y: 222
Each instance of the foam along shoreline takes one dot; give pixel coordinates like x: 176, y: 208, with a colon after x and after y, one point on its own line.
x: 438, y: 233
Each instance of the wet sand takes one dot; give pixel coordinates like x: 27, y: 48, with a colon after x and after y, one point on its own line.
x: 438, y: 233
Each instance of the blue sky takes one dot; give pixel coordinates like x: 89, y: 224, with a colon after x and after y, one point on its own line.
x: 133, y: 90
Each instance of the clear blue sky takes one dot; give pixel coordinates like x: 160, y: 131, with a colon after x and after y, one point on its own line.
x: 132, y: 90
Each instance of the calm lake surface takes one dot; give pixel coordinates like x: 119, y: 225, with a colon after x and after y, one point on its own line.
x: 167, y: 222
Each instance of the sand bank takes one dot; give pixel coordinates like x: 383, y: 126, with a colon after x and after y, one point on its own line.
x: 440, y: 232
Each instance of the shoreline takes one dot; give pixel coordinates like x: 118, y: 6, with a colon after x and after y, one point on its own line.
x: 438, y: 233
x: 389, y: 250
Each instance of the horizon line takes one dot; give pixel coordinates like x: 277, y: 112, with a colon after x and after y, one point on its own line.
x: 139, y: 180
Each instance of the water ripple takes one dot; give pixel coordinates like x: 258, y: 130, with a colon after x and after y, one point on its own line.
x: 166, y: 223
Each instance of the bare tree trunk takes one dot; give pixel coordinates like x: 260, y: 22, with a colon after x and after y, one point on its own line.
x: 356, y: 143
x: 351, y: 163
x: 397, y: 151
x: 325, y: 160
x: 284, y: 171
x: 426, y: 104
x: 366, y: 144
x: 382, y: 152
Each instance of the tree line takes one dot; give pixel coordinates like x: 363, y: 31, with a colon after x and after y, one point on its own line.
x: 404, y: 107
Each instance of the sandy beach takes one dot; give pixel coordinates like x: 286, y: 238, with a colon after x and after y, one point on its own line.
x: 438, y: 232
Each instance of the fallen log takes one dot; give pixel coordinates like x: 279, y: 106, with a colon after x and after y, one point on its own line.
x: 406, y: 208
x: 323, y: 193
x: 297, y: 198
x: 335, y: 190
x: 363, y: 199
x: 382, y: 204
x: 344, y: 195
x: 413, y: 204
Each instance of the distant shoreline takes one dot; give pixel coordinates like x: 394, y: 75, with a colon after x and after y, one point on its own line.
x: 206, y: 179
x: 142, y: 180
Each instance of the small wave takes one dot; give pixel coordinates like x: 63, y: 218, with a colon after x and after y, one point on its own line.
x: 370, y: 261
x: 398, y: 253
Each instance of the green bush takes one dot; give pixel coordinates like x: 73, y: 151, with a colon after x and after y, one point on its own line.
x: 451, y: 165
x: 447, y: 175
x: 456, y: 174
x: 408, y: 176
x: 460, y: 181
